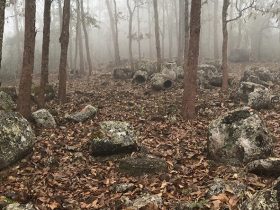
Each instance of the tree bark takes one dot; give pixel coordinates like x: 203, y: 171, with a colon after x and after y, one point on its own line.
x: 2, y: 23
x: 139, y: 34
x: 216, y: 46
x: 155, y: 2
x: 19, y: 60
x: 45, y: 53
x: 86, y: 39
x: 80, y: 39
x: 170, y: 31
x: 113, y: 31
x: 60, y: 14
x: 131, y: 11
x: 117, y: 48
x: 64, y: 41
x: 191, y: 62
x: 225, y: 46
x: 182, y: 13
x: 24, y: 96
x: 150, y: 31
x: 163, y: 31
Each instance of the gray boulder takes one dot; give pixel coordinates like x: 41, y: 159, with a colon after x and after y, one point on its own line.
x: 16, y: 138
x: 17, y: 206
x: 123, y: 73
x: 169, y: 73
x: 238, y: 137
x: 179, y: 72
x: 260, y: 99
x: 10, y: 90
x: 161, y: 82
x: 145, y: 202
x: 140, y: 77
x: 219, y: 186
x: 113, y: 138
x: 206, y: 73
x: 258, y: 75
x: 267, y: 199
x: 6, y: 102
x: 85, y: 114
x: 44, y: 118
x: 267, y: 167
x: 254, y: 95
x: 142, y: 165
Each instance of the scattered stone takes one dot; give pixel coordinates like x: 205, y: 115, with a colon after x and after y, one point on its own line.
x: 146, y: 202
x: 123, y: 188
x: 123, y: 73
x: 169, y: 73
x: 17, y: 206
x: 142, y: 165
x: 113, y: 138
x: 85, y: 114
x: 179, y: 72
x: 266, y: 199
x: 147, y: 66
x: 206, y: 73
x: 6, y: 102
x: 260, y: 99
x: 238, y: 137
x: 16, y: 138
x: 10, y: 90
x: 140, y: 77
x: 266, y: 167
x: 161, y: 82
x: 219, y: 186
x: 43, y: 118
x: 258, y: 75
x: 246, y: 88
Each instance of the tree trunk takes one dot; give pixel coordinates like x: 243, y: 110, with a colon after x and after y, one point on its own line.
x: 157, y: 35
x: 2, y: 23
x: 150, y: 32
x: 191, y: 61
x: 19, y: 60
x: 139, y: 34
x: 130, y: 34
x: 225, y: 46
x: 117, y: 48
x: 86, y: 40
x: 170, y: 31
x: 60, y: 14
x: 182, y: 13
x: 64, y: 41
x: 45, y: 53
x: 24, y: 96
x: 216, y: 46
x: 80, y: 39
x: 176, y: 23
x: 113, y: 31
x: 163, y: 30
x: 187, y: 28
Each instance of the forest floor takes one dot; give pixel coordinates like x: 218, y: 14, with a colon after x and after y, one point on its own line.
x: 61, y: 173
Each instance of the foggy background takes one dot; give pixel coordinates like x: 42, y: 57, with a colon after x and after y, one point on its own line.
x: 256, y: 31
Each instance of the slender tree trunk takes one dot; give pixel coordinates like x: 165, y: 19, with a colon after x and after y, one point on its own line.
x: 24, y: 96
x: 191, y: 62
x: 80, y: 39
x: 150, y: 31
x: 64, y: 41
x: 163, y: 31
x: 170, y: 32
x: 182, y: 13
x: 130, y: 34
x: 177, y: 24
x: 19, y: 60
x: 225, y: 46
x: 186, y: 28
x: 45, y: 52
x: 2, y: 23
x: 117, y: 48
x: 60, y: 14
x: 139, y: 34
x: 86, y: 39
x: 113, y: 31
x: 216, y: 46
x: 155, y: 2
